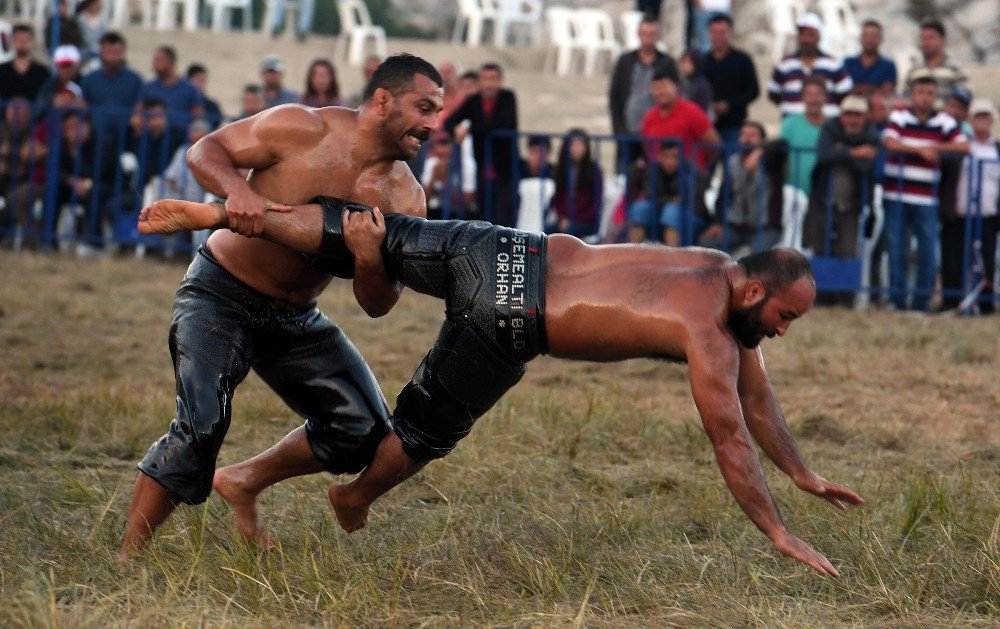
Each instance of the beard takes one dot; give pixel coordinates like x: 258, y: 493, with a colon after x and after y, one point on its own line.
x: 746, y: 324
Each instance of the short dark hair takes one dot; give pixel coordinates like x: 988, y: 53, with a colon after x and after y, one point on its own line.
x: 649, y: 18
x: 112, y: 37
x: 538, y: 139
x: 469, y: 74
x: 23, y: 28
x: 667, y: 145
x: 196, y: 68
x: 665, y: 71
x: 815, y: 80
x: 777, y: 268
x: 874, y: 23
x: 253, y: 88
x: 396, y: 73
x: 758, y: 126
x: 933, y: 24
x: 153, y: 103
x: 491, y: 65
x: 169, y: 52
x: 721, y: 17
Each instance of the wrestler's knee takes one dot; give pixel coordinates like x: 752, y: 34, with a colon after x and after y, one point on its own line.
x: 183, y: 460
x: 428, y: 421
x: 345, y: 445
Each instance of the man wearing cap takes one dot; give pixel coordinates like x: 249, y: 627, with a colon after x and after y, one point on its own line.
x: 871, y: 72
x: 935, y: 63
x: 272, y: 70
x: 785, y: 87
x: 842, y: 180
x: 61, y: 89
x: 983, y: 168
x: 22, y: 76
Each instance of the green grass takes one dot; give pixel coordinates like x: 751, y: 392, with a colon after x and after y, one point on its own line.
x: 588, y: 496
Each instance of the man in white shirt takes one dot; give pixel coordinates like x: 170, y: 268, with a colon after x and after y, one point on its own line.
x: 979, y: 197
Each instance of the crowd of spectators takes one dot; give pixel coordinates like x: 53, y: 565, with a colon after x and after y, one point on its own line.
x: 690, y: 166
x: 85, y: 142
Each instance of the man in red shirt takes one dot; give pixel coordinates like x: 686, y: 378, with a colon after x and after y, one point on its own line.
x: 672, y: 116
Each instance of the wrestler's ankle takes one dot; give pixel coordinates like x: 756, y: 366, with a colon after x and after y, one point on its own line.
x: 348, y: 495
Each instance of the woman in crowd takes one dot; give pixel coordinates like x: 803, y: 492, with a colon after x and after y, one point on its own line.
x: 694, y: 86
x: 322, y: 89
x: 576, y: 205
x: 93, y: 25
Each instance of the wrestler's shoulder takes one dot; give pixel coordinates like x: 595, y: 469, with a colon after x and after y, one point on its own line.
x: 302, y: 115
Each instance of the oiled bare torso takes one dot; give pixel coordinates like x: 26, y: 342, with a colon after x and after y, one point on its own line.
x: 329, y: 167
x: 628, y: 301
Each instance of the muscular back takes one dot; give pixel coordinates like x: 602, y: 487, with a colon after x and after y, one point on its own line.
x: 297, y: 153
x: 627, y: 301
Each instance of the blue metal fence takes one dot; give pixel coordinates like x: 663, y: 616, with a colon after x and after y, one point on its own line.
x: 93, y: 185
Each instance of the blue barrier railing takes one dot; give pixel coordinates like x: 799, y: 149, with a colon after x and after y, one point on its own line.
x: 80, y: 175
x: 50, y: 169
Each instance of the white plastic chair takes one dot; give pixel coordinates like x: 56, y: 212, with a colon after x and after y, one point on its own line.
x: 595, y: 34
x: 517, y: 12
x: 614, y: 188
x: 166, y: 10
x: 472, y: 15
x: 355, y: 29
x: 784, y: 14
x: 794, y: 206
x: 119, y: 13
x: 629, y: 22
x: 841, y: 29
x: 270, y: 10
x: 222, y: 11
x: 6, y: 46
x: 867, y: 246
x: 536, y: 194
x: 562, y: 38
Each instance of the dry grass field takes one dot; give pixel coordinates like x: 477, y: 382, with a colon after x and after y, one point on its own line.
x: 588, y: 496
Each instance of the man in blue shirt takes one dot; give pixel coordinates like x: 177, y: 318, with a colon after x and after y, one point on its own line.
x: 182, y: 100
x: 272, y: 71
x: 870, y: 71
x: 111, y: 90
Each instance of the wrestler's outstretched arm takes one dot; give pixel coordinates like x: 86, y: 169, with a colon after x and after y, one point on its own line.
x: 714, y: 368
x: 770, y: 430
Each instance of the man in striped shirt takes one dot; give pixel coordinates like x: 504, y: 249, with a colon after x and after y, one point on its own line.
x: 915, y: 138
x: 785, y: 87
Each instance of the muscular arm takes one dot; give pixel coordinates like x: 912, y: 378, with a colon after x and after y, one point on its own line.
x: 767, y: 424
x: 256, y: 142
x: 714, y: 364
x: 375, y: 291
x: 764, y: 417
x: 714, y: 367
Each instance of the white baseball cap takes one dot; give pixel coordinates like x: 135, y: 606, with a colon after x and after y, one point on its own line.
x: 810, y: 20
x: 66, y: 55
x: 982, y: 106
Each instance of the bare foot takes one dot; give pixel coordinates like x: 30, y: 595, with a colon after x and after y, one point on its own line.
x: 351, y: 516
x: 167, y: 216
x: 244, y: 505
x: 125, y: 564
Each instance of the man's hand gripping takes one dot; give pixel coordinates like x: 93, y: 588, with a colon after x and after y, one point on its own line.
x: 245, y: 210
